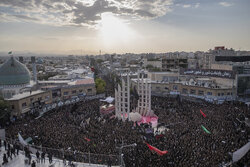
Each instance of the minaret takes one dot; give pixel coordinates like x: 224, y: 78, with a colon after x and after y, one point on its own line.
x: 33, y: 61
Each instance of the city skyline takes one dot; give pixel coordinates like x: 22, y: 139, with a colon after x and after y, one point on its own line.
x: 112, y: 26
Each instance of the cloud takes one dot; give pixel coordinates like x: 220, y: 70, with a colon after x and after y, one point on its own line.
x: 186, y: 6
x: 197, y: 5
x: 24, y: 17
x: 226, y: 4
x: 82, y: 12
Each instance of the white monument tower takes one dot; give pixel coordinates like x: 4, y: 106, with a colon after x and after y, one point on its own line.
x: 144, y: 92
x: 122, y: 100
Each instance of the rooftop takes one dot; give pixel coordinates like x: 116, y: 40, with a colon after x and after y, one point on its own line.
x: 82, y: 81
x: 25, y: 94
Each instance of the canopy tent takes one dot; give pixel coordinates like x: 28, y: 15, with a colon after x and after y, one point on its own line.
x: 108, y: 99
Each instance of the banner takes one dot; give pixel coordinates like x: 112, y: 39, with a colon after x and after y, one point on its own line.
x: 207, y: 131
x: 2, y: 134
x: 208, y: 73
x: 237, y: 155
x: 20, y: 138
x: 204, y: 115
x: 24, y: 143
x: 87, y: 139
x: 159, y: 152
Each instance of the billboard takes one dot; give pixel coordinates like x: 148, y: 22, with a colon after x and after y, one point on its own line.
x: 233, y: 58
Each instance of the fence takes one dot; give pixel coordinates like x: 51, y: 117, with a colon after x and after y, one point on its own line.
x: 76, y: 156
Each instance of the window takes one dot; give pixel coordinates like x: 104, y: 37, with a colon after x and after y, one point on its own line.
x: 73, y: 91
x: 65, y: 93
x: 209, y: 93
x: 222, y: 94
x: 228, y: 93
x: 200, y: 92
x: 89, y: 90
x: 166, y: 88
x: 12, y: 107
x: 218, y: 94
x: 31, y: 99
x: 80, y: 91
x: 192, y: 91
x: 24, y: 104
x: 185, y: 91
x: 175, y: 87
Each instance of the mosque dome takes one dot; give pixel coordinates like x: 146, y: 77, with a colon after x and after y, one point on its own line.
x: 12, y: 72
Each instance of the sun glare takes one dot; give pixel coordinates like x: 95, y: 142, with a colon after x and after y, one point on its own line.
x: 113, y: 29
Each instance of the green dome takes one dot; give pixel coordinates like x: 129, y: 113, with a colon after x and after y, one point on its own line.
x: 12, y: 72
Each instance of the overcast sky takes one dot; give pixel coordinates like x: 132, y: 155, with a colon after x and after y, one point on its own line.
x: 122, y: 26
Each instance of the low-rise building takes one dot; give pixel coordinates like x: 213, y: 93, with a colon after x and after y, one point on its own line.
x: 24, y: 102
x: 169, y: 63
x: 156, y: 63
x: 51, y: 93
x: 201, y: 91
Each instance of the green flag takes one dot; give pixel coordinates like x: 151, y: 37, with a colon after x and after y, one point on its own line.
x: 10, y: 52
x: 205, y: 129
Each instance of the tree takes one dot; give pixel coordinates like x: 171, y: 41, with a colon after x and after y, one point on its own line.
x: 100, y: 85
x: 99, y: 61
x: 149, y: 66
x: 4, y: 112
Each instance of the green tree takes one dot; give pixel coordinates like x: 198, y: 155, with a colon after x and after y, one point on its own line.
x: 149, y: 66
x: 100, y: 85
x: 4, y: 112
x: 99, y: 61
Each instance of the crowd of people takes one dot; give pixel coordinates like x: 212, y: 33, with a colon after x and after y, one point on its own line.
x: 77, y: 130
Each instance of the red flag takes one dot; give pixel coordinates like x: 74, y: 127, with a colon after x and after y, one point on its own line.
x: 159, y: 152
x: 87, y: 139
x: 203, y: 114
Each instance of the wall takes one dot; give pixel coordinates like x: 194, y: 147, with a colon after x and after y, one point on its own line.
x: 221, y: 67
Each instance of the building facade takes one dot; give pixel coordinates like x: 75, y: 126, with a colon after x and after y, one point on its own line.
x: 25, y: 102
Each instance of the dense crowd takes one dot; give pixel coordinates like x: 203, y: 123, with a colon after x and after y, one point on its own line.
x: 79, y: 128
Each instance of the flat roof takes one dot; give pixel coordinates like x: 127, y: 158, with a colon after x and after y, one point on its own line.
x: 25, y: 94
x: 82, y: 81
x: 54, y: 81
x: 165, y: 72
